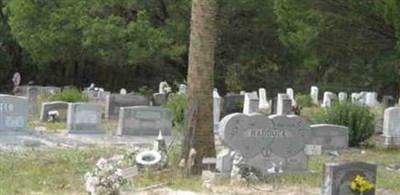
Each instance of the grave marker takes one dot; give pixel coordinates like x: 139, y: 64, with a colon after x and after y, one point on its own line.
x: 60, y: 106
x: 144, y: 120
x: 13, y: 112
x: 115, y: 101
x: 391, y: 126
x: 337, y: 177
x: 83, y: 117
x: 330, y: 137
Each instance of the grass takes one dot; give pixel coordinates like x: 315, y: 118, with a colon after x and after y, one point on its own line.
x: 60, y: 171
x: 54, y: 171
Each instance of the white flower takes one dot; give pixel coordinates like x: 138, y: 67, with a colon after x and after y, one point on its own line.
x: 90, y: 184
x: 101, y: 164
x: 119, y: 172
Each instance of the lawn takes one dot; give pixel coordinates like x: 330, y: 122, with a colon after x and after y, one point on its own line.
x: 60, y: 171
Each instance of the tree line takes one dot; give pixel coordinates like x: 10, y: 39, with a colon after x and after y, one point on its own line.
x: 338, y: 45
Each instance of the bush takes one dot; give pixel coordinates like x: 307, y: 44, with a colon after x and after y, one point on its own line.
x: 72, y: 94
x: 177, y: 103
x: 358, y: 118
x: 145, y: 91
x: 303, y: 100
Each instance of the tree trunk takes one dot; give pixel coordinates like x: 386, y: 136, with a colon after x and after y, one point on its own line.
x: 199, y: 110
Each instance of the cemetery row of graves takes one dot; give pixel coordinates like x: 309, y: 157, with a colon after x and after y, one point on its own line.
x: 255, y: 137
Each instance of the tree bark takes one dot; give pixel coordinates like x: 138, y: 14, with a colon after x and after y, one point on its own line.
x: 198, y: 132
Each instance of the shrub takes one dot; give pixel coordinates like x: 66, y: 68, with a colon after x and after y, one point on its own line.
x: 69, y: 95
x: 177, y: 103
x: 145, y: 91
x: 303, y: 100
x: 358, y: 118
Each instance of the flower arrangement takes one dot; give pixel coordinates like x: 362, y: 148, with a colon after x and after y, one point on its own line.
x: 360, y: 184
x: 107, y: 176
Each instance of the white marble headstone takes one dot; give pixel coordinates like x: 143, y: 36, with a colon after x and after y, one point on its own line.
x: 251, y: 103
x: 216, y: 108
x: 314, y: 94
x: 391, y: 126
x: 342, y: 97
x: 264, y: 104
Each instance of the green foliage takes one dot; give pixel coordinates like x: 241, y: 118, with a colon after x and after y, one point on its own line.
x: 146, y: 91
x: 177, y: 103
x: 72, y: 94
x: 303, y: 100
x: 358, y: 118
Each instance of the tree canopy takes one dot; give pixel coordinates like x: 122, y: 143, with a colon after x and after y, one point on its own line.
x: 272, y: 44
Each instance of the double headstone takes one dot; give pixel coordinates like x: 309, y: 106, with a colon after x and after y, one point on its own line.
x: 83, y: 117
x: 144, y: 120
x: 330, y: 137
x: 337, y: 177
x: 115, y: 101
x: 391, y: 126
x: 13, y: 112
x: 265, y: 143
x: 59, y: 106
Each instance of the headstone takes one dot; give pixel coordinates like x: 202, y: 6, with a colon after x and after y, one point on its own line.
x: 388, y: 101
x: 115, y: 101
x: 263, y: 104
x: 391, y: 126
x: 60, y: 106
x: 371, y: 99
x: 337, y: 177
x: 265, y: 142
x: 274, y: 103
x: 233, y: 103
x: 284, y: 104
x: 13, y: 113
x: 290, y: 93
x: 224, y: 161
x: 216, y: 109
x: 314, y: 94
x: 164, y: 87
x: 342, y: 97
x: 123, y: 91
x: 182, y: 89
x: 250, y: 103
x: 327, y: 101
x: 83, y: 117
x: 159, y: 99
x: 330, y: 137
x: 33, y: 95
x: 144, y: 120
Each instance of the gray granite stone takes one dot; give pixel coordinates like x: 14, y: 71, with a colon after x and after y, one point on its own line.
x: 83, y: 117
x: 284, y: 104
x: 13, y: 113
x: 337, y: 177
x: 330, y: 137
x: 144, y: 120
x: 251, y: 103
x: 115, y: 101
x: 33, y: 95
x: 60, y: 106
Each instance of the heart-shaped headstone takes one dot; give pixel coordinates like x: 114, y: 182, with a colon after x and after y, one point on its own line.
x: 248, y: 134
x: 297, y: 134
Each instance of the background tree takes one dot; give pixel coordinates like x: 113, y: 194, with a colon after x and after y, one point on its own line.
x: 199, y: 120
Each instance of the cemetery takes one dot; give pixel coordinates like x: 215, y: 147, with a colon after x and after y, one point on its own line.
x: 132, y: 108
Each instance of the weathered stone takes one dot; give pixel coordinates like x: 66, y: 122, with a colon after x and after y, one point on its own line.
x: 115, y: 101
x: 13, y: 112
x: 337, y: 177
x: 83, y: 117
x: 144, y: 120
x: 391, y: 126
x: 330, y: 137
x: 60, y: 106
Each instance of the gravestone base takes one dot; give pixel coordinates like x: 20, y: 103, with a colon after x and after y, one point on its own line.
x: 390, y: 141
x: 84, y: 132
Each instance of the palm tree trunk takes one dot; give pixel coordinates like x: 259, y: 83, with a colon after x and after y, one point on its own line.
x: 199, y: 110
